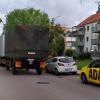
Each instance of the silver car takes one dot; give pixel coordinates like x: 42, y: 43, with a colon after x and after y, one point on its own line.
x: 62, y: 65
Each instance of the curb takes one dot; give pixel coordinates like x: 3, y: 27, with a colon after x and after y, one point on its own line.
x: 78, y: 72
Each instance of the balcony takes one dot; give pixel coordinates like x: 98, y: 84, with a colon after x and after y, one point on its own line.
x: 80, y: 43
x: 96, y: 29
x: 80, y: 33
x: 94, y: 42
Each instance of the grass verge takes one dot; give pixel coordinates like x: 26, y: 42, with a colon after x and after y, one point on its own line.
x: 82, y: 63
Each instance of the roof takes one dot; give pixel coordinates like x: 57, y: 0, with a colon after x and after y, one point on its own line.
x: 90, y: 19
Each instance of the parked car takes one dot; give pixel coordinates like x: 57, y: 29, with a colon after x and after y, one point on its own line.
x: 62, y: 65
x: 91, y: 72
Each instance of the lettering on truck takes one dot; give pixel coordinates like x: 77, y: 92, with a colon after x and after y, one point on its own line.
x: 94, y: 74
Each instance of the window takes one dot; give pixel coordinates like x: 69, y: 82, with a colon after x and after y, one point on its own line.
x: 80, y: 39
x: 95, y: 64
x: 87, y: 39
x: 54, y: 60
x: 64, y: 60
x: 94, y: 41
x: 86, y: 49
x: 69, y: 44
x: 73, y: 44
x: 87, y: 28
x: 70, y: 59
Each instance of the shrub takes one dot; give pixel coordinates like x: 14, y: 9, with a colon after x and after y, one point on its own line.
x: 85, y: 56
x: 69, y: 52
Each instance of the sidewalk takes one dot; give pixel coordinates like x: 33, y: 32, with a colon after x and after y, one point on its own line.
x: 78, y: 72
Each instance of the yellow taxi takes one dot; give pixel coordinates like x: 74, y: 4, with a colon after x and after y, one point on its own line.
x: 91, y: 72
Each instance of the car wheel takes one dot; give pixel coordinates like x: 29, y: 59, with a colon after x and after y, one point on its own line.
x: 74, y: 73
x: 83, y: 78
x: 56, y: 71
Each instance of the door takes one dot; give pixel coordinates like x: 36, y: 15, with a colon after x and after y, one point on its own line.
x: 52, y: 64
x: 94, y: 72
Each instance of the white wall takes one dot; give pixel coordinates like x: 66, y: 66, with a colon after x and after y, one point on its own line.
x: 90, y: 35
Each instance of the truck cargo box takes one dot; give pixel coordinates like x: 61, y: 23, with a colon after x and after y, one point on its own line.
x: 25, y: 41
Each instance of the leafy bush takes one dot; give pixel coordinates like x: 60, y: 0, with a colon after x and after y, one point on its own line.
x: 85, y: 56
x: 69, y: 52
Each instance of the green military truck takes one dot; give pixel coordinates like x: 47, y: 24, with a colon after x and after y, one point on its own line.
x: 24, y: 47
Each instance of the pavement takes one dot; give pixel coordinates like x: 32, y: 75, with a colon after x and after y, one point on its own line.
x: 78, y: 71
x: 29, y: 86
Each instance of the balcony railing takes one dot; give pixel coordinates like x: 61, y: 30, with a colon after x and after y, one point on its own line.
x: 95, y: 42
x: 81, y: 32
x: 80, y: 43
x: 96, y: 28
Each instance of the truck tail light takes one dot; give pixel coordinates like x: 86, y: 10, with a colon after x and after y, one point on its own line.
x: 18, y: 64
x: 60, y: 64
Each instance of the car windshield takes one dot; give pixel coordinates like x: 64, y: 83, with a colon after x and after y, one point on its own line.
x: 65, y: 60
x: 70, y: 59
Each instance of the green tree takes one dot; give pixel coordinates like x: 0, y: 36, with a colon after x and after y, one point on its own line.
x: 28, y: 16
x: 56, y: 40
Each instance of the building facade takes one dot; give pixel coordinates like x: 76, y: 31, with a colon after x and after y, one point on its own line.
x: 70, y: 40
x: 85, y: 37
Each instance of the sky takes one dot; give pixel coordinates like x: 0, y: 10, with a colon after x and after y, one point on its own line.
x: 66, y: 12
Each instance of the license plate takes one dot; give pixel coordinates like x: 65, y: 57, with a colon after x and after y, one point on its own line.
x: 30, y: 61
x: 68, y: 69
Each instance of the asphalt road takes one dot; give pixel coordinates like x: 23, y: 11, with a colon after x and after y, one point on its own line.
x: 29, y: 86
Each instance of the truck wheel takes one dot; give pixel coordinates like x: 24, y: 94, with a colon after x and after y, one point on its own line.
x: 14, y: 71
x: 38, y: 70
x: 7, y: 67
x: 27, y: 69
x: 13, y: 68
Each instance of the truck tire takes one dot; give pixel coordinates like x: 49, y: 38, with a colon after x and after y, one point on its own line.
x: 38, y: 70
x: 14, y: 71
x: 27, y: 69
x: 7, y: 67
x: 36, y: 65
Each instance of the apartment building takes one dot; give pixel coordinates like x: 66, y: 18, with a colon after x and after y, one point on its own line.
x: 88, y: 34
x: 90, y: 37
x: 70, y: 39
